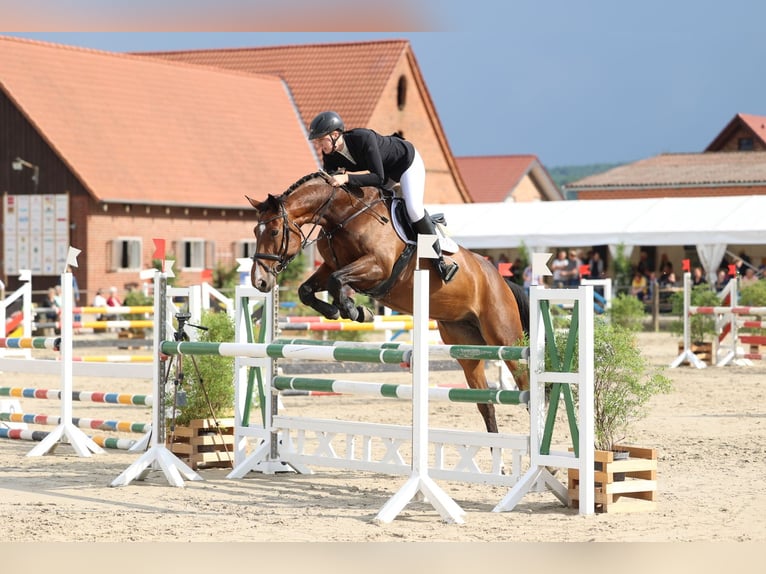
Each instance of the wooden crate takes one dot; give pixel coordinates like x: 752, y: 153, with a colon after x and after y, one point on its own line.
x: 704, y: 352
x: 638, y: 490
x: 200, y: 445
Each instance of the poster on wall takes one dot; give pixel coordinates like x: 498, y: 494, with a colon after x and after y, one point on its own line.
x: 35, y: 233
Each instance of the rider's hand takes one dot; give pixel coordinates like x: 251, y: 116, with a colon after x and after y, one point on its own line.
x: 340, y: 179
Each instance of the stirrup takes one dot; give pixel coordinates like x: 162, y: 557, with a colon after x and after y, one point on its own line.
x: 447, y: 270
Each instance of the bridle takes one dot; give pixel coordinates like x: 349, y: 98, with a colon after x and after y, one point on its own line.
x: 281, y: 257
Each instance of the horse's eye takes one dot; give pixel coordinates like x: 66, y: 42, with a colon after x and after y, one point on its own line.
x: 274, y: 232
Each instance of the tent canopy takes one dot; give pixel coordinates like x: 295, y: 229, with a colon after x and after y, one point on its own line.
x: 736, y: 220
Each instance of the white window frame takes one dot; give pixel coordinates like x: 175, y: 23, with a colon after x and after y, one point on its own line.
x: 132, y: 249
x: 200, y: 254
x: 245, y: 248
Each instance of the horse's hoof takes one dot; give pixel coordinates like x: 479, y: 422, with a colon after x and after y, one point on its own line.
x: 365, y: 315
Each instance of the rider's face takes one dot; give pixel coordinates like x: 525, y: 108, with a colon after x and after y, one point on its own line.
x: 325, y: 143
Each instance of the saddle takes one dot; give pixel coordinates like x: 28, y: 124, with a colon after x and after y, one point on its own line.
x: 404, y: 230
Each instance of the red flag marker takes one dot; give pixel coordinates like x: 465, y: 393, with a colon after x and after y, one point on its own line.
x: 584, y: 269
x: 686, y: 265
x: 505, y: 269
x: 206, y: 275
x: 159, y: 249
x: 732, y: 270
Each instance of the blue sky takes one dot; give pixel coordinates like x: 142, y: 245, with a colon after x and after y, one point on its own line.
x: 573, y: 82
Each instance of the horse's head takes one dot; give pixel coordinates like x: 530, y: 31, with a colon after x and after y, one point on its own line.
x: 278, y: 241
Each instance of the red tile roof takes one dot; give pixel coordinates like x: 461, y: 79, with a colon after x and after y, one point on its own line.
x: 673, y: 170
x: 493, y: 178
x: 351, y: 75
x: 147, y: 131
x: 757, y: 124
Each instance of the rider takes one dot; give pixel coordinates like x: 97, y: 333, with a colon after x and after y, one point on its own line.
x: 388, y: 159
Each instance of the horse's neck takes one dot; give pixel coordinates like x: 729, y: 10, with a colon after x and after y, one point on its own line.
x: 331, y: 206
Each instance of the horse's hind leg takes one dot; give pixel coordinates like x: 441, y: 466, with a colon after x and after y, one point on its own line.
x: 466, y: 334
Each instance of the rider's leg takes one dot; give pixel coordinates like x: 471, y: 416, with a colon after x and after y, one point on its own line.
x: 413, y: 184
x: 424, y: 226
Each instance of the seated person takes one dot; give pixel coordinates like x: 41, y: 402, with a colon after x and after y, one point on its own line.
x: 639, y: 287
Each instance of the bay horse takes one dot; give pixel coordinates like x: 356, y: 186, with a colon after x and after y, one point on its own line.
x: 361, y: 249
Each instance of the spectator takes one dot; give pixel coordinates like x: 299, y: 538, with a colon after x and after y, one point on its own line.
x: 573, y: 269
x: 100, y: 301
x: 527, y: 277
x: 722, y: 279
x: 596, y: 265
x: 749, y: 277
x: 559, y: 269
x: 698, y: 277
x: 52, y: 304
x: 639, y: 287
x: 113, y: 300
x: 667, y: 277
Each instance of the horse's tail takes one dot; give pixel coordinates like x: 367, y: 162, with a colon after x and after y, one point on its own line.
x: 522, y: 302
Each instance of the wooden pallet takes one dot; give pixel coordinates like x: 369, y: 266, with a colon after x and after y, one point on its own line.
x: 638, y: 490
x: 703, y: 351
x: 200, y: 445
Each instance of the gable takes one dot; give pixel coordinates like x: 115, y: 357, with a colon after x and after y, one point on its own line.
x: 742, y: 126
x: 507, y: 178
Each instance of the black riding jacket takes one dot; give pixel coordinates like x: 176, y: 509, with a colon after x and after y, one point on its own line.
x: 385, y: 157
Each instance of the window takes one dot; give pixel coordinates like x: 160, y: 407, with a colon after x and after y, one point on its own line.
x: 745, y: 144
x: 126, y: 254
x: 401, y: 92
x: 194, y: 254
x: 244, y: 248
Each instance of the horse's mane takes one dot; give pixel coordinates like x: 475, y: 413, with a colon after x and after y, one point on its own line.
x: 323, y: 174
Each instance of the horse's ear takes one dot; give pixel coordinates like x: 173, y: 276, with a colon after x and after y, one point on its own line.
x: 254, y: 203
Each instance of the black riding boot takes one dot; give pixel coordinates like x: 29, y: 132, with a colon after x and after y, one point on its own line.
x: 425, y: 226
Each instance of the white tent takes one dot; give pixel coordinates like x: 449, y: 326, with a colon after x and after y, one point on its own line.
x: 709, y: 223
x: 739, y: 220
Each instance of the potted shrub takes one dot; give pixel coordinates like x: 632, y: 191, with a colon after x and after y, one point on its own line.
x: 623, y: 384
x: 202, y: 430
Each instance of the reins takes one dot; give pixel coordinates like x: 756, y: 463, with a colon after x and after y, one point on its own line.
x: 288, y: 226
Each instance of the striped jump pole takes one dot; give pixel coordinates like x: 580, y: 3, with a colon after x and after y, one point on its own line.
x: 276, y: 351
x: 83, y: 396
x: 40, y: 436
x: 478, y: 352
x: 114, y: 359
x: 83, y: 423
x: 394, y: 391
x: 49, y: 343
x: 353, y: 326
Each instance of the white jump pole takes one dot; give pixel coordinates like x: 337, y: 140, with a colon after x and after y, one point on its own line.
x: 419, y: 481
x: 66, y: 431
x: 686, y: 354
x: 158, y: 455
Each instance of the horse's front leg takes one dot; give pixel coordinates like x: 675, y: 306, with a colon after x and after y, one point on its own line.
x: 307, y: 293
x: 366, y: 269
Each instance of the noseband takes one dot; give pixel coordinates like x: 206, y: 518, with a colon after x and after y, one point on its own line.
x: 281, y: 257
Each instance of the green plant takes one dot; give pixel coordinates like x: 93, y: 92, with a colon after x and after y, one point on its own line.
x: 627, y: 311
x: 699, y: 325
x: 136, y: 298
x: 215, y: 380
x: 622, y: 269
x: 623, y: 383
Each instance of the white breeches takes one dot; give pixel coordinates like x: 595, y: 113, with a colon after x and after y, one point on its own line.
x: 413, y: 184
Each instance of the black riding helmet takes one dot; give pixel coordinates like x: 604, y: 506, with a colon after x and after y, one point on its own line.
x: 325, y: 123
